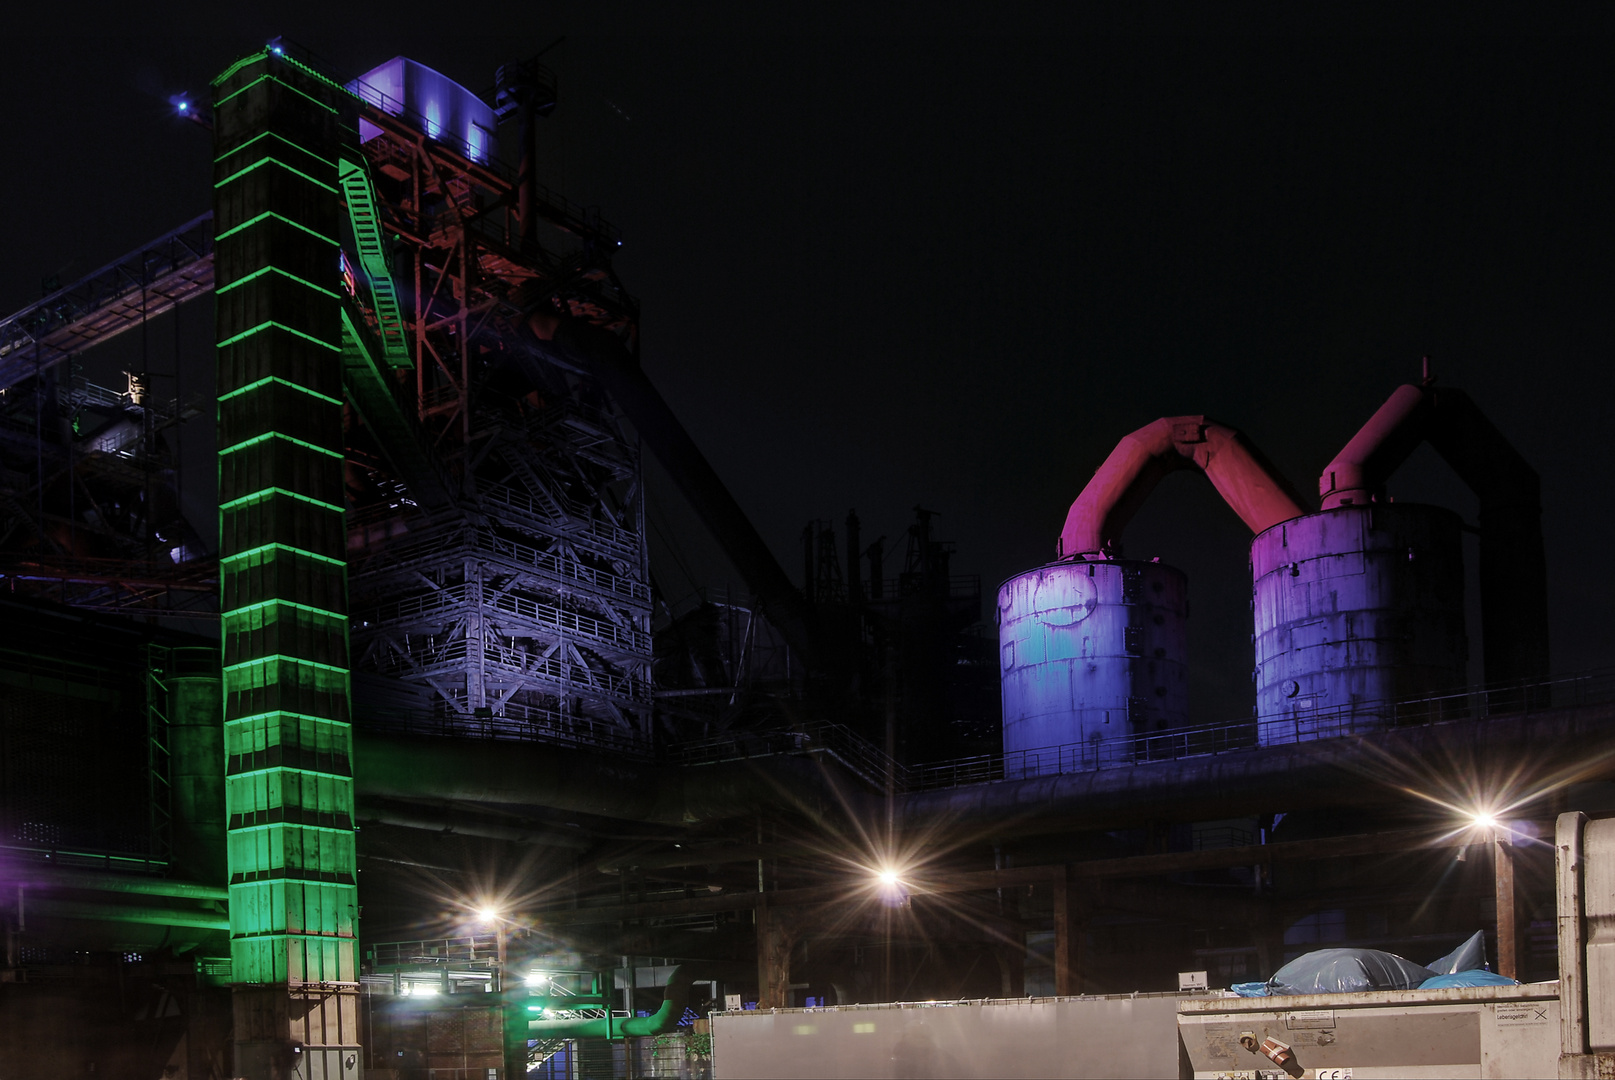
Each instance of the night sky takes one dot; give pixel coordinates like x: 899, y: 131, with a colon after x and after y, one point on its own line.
x: 951, y: 264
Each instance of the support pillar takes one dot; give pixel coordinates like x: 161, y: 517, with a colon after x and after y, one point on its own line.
x: 1507, y: 918
x: 776, y: 937
x: 1069, y: 923
x: 278, y: 135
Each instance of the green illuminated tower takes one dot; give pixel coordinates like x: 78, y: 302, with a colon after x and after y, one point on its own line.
x: 279, y: 132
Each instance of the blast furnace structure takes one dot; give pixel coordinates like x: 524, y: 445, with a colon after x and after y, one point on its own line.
x: 418, y: 675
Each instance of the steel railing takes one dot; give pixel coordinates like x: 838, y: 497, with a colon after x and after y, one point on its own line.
x: 1360, y: 718
x: 605, y: 533
x: 388, y: 556
x: 537, y: 614
x: 859, y: 755
x: 424, y: 657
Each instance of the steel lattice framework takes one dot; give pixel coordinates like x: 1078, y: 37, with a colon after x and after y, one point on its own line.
x: 498, y: 565
x: 89, y: 503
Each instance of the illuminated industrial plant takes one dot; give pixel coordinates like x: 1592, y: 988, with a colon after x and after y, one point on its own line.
x: 428, y: 764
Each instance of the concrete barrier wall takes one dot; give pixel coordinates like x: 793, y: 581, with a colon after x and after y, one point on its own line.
x: 1113, y: 1036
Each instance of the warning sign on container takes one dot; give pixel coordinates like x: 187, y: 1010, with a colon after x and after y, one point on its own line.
x: 1527, y: 1012
x: 1310, y: 1019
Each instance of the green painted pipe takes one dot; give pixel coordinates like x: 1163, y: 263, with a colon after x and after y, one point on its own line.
x: 660, y: 1022
x: 128, y: 883
x: 74, y: 909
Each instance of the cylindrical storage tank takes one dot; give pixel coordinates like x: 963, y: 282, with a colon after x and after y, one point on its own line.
x: 196, y: 764
x: 1356, y: 609
x: 1093, y: 657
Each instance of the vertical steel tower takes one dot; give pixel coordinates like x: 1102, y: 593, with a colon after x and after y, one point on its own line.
x: 279, y: 135
x: 499, y: 572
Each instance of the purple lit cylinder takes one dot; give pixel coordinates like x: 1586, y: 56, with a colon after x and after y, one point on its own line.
x: 1092, y: 655
x: 1357, y: 609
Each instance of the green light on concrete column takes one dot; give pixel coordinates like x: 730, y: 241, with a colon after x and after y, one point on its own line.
x: 278, y: 770
x: 271, y: 323
x: 261, y: 162
x: 288, y: 548
x: 266, y: 380
x: 284, y: 438
x: 268, y: 215
x: 238, y: 65
x: 282, y: 138
x: 264, y: 493
x: 281, y: 658
x: 342, y: 830
x: 238, y: 282
x: 283, y: 714
x: 283, y: 603
x: 293, y: 904
x: 282, y: 82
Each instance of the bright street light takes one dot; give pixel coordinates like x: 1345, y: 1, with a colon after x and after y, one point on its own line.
x: 491, y: 916
x: 891, y: 888
x: 1500, y: 836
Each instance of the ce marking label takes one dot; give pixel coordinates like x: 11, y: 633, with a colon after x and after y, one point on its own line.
x: 1332, y: 1074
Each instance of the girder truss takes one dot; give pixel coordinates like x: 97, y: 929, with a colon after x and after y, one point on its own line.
x: 525, y: 605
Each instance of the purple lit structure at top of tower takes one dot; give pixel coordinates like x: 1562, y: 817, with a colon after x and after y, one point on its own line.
x: 439, y: 106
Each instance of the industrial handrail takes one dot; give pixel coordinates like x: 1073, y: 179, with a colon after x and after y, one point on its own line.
x: 365, y: 216
x: 533, y: 611
x: 390, y: 556
x: 583, y: 220
x: 606, y: 533
x: 422, y: 657
x: 481, y: 948
x: 859, y: 755
x: 1459, y: 706
x: 118, y: 281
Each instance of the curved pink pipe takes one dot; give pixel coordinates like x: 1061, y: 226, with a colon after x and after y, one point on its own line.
x: 1244, y: 478
x: 1363, y: 464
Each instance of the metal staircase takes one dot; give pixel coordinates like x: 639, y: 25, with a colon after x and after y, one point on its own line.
x: 367, y: 239
x: 537, y: 488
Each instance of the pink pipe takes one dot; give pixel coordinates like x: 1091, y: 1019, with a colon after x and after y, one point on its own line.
x: 1246, y: 481
x: 1363, y: 465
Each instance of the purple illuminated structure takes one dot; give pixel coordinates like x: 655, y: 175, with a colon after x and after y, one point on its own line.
x: 1093, y: 648
x: 439, y: 107
x: 1358, y: 609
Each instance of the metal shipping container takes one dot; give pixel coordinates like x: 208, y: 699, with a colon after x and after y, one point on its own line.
x: 1482, y: 1031
x: 1119, y: 1035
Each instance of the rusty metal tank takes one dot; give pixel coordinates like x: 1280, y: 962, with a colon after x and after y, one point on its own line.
x: 1356, y: 609
x: 1090, y: 654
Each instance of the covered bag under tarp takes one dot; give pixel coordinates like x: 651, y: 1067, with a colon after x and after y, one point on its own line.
x: 1470, y: 956
x: 1347, y: 971
x: 1474, y: 977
